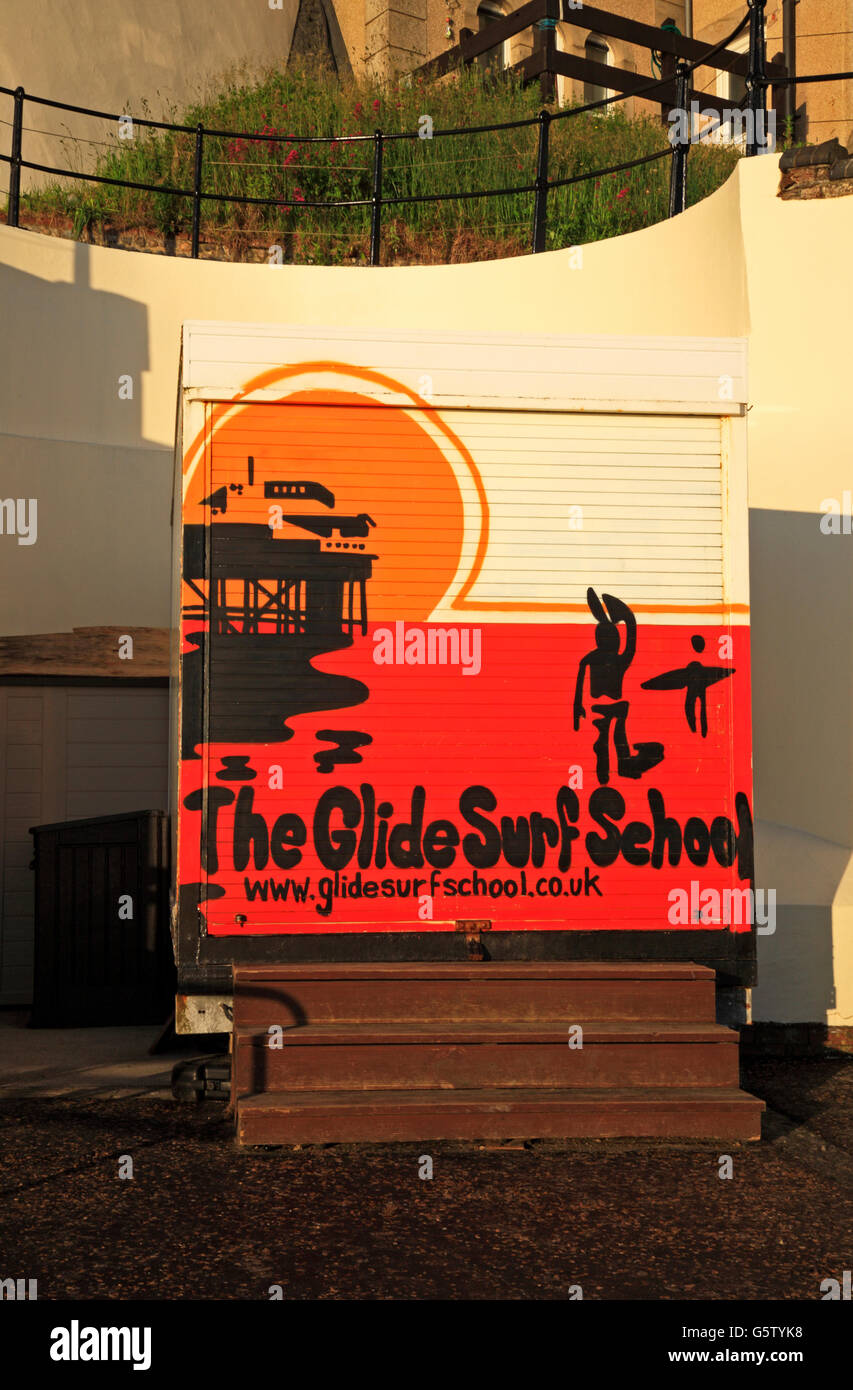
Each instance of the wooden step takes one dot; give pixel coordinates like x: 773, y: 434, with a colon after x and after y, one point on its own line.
x: 421, y: 1056
x: 725, y: 1114
x: 481, y: 1050
x: 545, y: 992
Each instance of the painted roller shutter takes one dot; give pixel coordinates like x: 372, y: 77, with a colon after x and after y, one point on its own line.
x: 630, y: 504
x: 629, y: 501
x: 573, y: 499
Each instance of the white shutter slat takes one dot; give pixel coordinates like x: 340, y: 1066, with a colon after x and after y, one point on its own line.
x: 633, y: 505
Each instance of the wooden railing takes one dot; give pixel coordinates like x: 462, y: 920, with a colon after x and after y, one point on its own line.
x: 547, y: 61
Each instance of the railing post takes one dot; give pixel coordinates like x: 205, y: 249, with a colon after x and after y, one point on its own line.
x: 756, y: 82
x: 546, y: 43
x: 376, y: 215
x: 789, y: 50
x: 540, y: 204
x: 678, y: 168
x: 15, y: 167
x: 199, y: 144
x: 667, y: 71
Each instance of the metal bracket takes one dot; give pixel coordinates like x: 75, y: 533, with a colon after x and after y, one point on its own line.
x: 473, y: 938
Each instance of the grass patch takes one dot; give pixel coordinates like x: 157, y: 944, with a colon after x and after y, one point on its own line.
x: 291, y: 102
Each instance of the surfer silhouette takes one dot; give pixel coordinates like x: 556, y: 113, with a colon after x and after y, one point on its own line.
x: 694, y: 679
x: 607, y: 664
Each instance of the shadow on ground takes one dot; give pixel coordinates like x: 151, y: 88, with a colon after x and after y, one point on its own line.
x: 202, y: 1220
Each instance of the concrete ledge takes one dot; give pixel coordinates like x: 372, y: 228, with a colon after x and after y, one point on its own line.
x: 816, y: 171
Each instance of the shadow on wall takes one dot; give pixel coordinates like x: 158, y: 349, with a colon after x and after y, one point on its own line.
x: 136, y: 57
x: 801, y: 584
x: 796, y: 969
x: 802, y: 699
x: 71, y: 388
x: 72, y: 344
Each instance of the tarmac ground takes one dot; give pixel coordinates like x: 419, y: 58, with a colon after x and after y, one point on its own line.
x: 200, y: 1219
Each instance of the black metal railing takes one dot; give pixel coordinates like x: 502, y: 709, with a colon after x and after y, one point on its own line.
x: 674, y: 83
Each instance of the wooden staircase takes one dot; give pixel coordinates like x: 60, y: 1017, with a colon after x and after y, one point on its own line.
x: 481, y: 1051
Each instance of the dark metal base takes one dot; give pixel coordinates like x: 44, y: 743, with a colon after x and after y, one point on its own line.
x: 208, y: 969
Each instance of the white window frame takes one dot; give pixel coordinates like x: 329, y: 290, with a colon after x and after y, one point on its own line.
x: 722, y: 89
x: 501, y: 49
x: 608, y: 92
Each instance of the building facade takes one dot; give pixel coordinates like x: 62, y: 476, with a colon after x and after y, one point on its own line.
x: 156, y: 59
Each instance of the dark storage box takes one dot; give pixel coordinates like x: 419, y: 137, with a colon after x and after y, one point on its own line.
x: 93, y: 965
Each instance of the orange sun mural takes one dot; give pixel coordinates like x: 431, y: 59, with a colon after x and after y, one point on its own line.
x: 379, y: 465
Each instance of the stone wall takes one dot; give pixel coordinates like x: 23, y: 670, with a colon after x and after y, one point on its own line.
x: 816, y: 171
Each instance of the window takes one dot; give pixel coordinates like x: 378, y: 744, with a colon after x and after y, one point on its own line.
x: 489, y: 12
x: 595, y: 51
x: 731, y: 88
